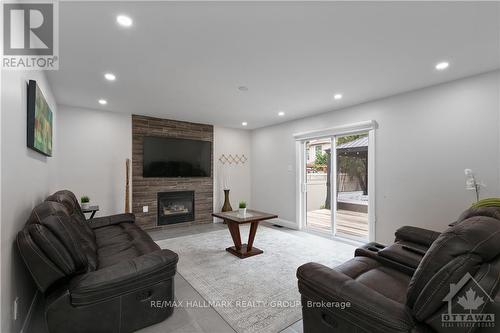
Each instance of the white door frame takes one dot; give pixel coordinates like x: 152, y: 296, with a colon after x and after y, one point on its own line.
x: 365, y: 127
x: 333, y: 182
x: 300, y: 211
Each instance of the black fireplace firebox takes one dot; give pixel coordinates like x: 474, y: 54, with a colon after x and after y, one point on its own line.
x: 175, y: 207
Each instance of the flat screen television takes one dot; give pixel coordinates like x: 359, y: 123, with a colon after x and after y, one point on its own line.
x: 169, y: 157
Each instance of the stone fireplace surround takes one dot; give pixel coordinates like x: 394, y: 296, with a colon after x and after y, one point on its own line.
x: 145, y: 190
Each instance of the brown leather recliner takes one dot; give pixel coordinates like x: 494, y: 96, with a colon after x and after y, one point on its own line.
x: 99, y: 275
x: 382, y: 298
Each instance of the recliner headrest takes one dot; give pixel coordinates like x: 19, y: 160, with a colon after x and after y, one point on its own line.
x: 493, y: 212
x: 44, y: 210
x: 68, y: 199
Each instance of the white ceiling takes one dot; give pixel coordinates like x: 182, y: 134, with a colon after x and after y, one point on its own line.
x: 186, y: 60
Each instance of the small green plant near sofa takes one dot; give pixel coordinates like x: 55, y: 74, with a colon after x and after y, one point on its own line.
x: 85, y: 202
x: 243, y: 204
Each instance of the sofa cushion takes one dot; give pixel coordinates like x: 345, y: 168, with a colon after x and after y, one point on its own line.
x: 122, y: 241
x: 124, y: 276
x: 66, y: 232
x: 53, y: 249
x: 69, y: 201
x: 386, y: 281
x: 87, y: 242
x: 104, y: 221
x: 42, y: 269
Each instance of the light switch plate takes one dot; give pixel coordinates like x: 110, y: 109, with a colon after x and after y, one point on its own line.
x: 145, y: 209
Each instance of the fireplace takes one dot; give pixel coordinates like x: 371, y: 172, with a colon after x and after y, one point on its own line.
x: 175, y: 207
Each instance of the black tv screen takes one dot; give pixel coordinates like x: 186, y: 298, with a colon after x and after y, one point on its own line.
x: 169, y: 157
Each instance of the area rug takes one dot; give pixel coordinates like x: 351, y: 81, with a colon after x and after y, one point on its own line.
x: 256, y: 294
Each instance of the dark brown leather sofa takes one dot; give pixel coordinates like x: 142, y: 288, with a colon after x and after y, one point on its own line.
x: 98, y: 275
x: 386, y: 295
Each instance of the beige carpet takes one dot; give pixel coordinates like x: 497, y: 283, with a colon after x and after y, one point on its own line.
x: 256, y: 294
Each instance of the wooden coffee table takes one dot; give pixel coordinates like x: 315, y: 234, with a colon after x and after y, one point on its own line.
x: 233, y: 220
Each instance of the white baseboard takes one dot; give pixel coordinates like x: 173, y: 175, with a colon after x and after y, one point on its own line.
x: 27, y: 320
x: 284, y: 223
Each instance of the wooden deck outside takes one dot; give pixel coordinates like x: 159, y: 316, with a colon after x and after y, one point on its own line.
x: 348, y: 223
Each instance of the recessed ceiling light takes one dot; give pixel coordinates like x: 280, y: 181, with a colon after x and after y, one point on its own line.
x: 281, y: 113
x: 337, y: 96
x: 442, y: 65
x: 243, y: 88
x: 124, y: 20
x: 110, y: 76
x: 244, y: 123
x: 103, y: 101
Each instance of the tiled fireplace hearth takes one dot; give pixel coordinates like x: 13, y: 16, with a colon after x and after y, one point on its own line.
x: 175, y: 207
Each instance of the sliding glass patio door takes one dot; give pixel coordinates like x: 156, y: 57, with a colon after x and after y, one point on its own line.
x: 335, y: 185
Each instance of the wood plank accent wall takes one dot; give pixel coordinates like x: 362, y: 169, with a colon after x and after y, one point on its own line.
x: 144, y: 190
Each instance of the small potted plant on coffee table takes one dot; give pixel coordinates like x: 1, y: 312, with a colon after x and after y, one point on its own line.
x: 242, y: 208
x: 85, y: 202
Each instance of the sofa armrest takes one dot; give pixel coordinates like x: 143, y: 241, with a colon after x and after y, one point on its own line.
x: 416, y: 235
x: 99, y: 222
x: 368, y: 309
x: 123, y: 277
x: 400, y: 253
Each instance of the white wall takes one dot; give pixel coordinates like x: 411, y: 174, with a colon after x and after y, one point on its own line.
x: 425, y: 140
x: 27, y: 179
x: 235, y: 142
x: 93, y: 146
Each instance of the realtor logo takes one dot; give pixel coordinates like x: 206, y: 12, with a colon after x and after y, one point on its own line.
x: 472, y: 301
x: 30, y: 35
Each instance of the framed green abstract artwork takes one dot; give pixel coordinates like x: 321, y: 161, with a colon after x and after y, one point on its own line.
x: 39, y: 121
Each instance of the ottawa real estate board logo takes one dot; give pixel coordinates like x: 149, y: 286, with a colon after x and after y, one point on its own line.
x: 30, y: 35
x: 466, y: 305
